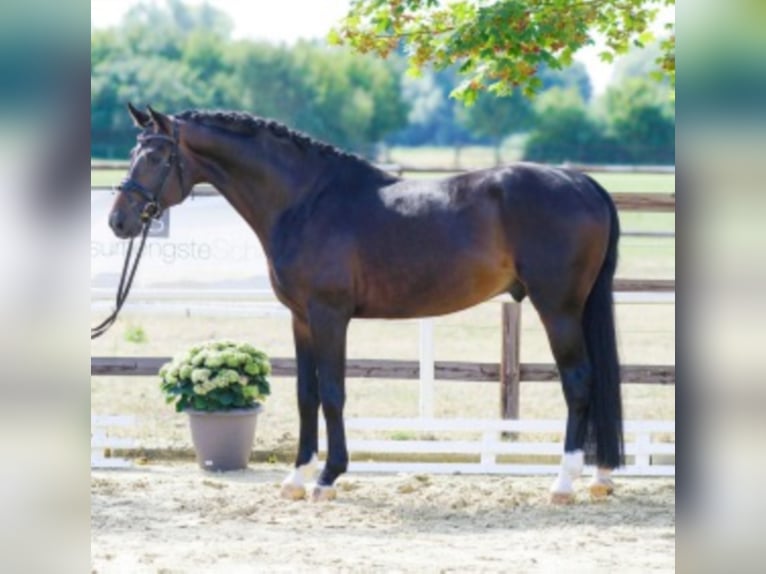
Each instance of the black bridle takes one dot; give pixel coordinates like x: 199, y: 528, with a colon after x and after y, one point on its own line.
x: 152, y: 207
x: 152, y: 210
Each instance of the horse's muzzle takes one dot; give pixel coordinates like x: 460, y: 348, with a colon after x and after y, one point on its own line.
x: 123, y: 227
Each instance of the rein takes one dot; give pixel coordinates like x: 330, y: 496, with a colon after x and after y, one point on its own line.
x: 151, y: 210
x: 126, y: 280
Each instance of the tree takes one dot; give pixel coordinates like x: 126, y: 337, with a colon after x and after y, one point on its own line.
x: 497, y: 117
x: 575, y: 76
x: 170, y: 56
x: 633, y: 122
x: 267, y: 82
x: 352, y: 101
x: 173, y: 57
x: 499, y: 45
x: 641, y: 119
x: 433, y: 119
x: 565, y: 131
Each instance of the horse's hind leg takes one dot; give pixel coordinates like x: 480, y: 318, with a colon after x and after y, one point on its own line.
x: 561, y: 314
x: 567, y: 342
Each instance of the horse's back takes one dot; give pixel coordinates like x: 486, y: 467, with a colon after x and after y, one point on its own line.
x: 544, y: 188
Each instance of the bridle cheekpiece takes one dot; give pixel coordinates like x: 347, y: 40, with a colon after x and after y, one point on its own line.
x: 153, y: 208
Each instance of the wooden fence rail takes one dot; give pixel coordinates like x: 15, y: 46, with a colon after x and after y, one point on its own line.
x: 510, y: 372
x: 395, y: 369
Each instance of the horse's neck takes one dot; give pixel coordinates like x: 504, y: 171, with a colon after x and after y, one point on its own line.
x: 261, y: 179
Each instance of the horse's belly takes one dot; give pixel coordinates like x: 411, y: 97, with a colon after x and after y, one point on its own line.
x: 432, y: 264
x: 434, y: 292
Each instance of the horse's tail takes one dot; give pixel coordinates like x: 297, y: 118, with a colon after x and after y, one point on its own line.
x: 605, y: 409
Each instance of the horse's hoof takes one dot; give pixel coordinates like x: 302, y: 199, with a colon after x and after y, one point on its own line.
x: 291, y: 491
x: 601, y: 489
x: 560, y: 498
x: 323, y: 493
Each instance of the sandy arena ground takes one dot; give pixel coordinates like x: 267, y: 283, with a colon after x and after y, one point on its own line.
x: 173, y: 517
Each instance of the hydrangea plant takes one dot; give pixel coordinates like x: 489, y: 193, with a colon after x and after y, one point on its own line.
x: 216, y: 376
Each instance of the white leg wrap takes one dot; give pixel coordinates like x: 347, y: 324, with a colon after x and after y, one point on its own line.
x: 294, y: 486
x: 301, y: 475
x: 571, y: 468
x: 602, y: 474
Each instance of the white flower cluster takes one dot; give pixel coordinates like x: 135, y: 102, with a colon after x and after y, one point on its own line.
x: 217, y: 365
x: 203, y: 384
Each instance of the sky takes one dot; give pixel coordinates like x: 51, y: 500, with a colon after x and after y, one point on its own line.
x: 290, y: 20
x: 276, y: 20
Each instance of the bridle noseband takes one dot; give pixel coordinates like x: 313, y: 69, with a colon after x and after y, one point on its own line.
x: 153, y: 209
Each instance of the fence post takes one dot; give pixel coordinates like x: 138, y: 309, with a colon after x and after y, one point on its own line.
x: 426, y: 398
x: 510, y: 368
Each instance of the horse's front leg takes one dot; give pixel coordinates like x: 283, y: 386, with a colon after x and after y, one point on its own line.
x: 328, y: 328
x: 294, y: 486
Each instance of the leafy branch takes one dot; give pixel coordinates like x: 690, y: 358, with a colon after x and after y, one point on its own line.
x: 500, y: 45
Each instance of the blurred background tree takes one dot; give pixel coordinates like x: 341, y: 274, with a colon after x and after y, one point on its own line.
x: 176, y: 56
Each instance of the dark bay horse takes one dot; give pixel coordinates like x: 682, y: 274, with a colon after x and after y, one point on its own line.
x: 344, y: 239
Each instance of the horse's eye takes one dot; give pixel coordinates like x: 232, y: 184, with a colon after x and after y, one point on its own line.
x: 154, y: 158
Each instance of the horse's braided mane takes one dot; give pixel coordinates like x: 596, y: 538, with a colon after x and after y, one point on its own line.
x: 248, y: 124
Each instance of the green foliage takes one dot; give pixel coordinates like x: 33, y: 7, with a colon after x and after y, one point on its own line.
x: 637, y: 63
x: 135, y: 334
x: 574, y: 76
x: 641, y: 119
x: 565, y: 131
x: 499, y: 45
x: 636, y: 125
x: 403, y: 435
x: 435, y: 118
x: 498, y: 116
x: 175, y: 56
x: 216, y: 376
x: 351, y: 101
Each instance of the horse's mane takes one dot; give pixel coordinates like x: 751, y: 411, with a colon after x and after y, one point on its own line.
x: 248, y: 124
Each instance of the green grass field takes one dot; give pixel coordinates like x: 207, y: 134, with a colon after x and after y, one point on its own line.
x: 646, y: 336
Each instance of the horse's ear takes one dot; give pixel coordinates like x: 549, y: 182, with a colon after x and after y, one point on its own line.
x: 140, y: 119
x: 161, y: 121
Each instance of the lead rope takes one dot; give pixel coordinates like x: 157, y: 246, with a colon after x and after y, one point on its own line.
x: 126, y: 280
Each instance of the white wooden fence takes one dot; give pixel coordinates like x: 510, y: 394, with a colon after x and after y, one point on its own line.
x: 646, y: 456
x: 642, y: 449
x: 102, y: 442
x: 488, y: 449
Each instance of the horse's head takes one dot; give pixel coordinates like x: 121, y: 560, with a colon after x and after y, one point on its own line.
x: 155, y: 179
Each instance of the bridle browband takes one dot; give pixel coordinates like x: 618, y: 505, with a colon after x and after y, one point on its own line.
x: 153, y: 208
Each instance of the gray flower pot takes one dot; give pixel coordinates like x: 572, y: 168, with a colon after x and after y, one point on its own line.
x: 223, y: 440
